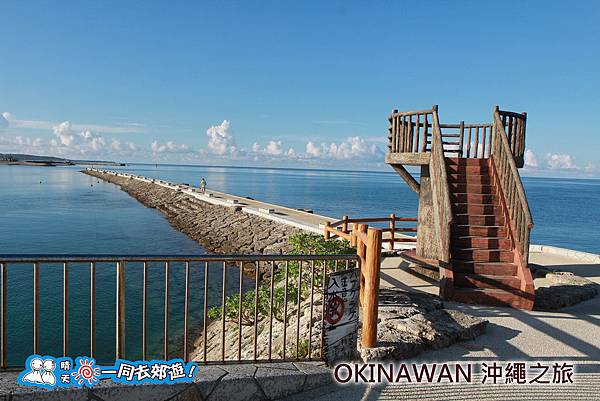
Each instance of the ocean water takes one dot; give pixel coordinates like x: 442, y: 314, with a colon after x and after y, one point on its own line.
x: 58, y: 210
x: 565, y: 211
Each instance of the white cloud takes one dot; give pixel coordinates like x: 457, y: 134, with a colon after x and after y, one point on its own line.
x: 20, y: 142
x: 64, y: 133
x: 273, y: 148
x: 169, y: 147
x: 220, y: 139
x: 561, y: 161
x: 4, y: 120
x: 530, y: 159
x: 46, y: 125
x: 312, y: 149
x: 80, y: 142
x: 353, y: 147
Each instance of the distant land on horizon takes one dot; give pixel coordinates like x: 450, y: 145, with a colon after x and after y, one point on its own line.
x: 26, y: 159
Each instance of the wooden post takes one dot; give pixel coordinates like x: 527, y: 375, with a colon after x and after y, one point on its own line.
x: 392, y: 228
x: 461, y: 139
x: 361, y: 252
x: 370, y: 302
x: 427, y: 239
x: 326, y: 234
x: 345, y: 224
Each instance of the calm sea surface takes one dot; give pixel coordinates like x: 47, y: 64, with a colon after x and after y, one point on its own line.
x: 48, y: 210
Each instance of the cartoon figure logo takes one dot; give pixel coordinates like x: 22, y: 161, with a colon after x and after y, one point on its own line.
x: 48, y: 376
x: 34, y: 376
x: 51, y: 372
x: 40, y: 372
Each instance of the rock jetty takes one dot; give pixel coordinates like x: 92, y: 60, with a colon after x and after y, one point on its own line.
x: 219, y: 229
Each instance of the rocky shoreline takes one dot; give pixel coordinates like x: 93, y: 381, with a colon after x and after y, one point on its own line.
x: 218, y: 229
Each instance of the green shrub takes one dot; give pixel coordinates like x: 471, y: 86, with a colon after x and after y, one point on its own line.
x: 303, y: 244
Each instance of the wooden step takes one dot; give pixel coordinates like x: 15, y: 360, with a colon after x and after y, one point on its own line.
x: 482, y: 255
x: 480, y: 231
x: 470, y: 179
x: 473, y: 280
x: 479, y: 219
x: 471, y: 188
x: 488, y: 268
x: 464, y: 161
x: 468, y: 169
x: 463, y: 197
x: 476, y: 208
x: 482, y: 242
x: 494, y: 297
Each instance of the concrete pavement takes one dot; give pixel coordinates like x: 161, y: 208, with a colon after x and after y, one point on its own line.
x: 571, y: 334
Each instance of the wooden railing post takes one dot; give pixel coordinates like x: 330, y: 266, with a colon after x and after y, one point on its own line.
x: 370, y: 302
x: 326, y: 233
x: 361, y: 252
x: 345, y: 224
x: 392, y: 229
x: 461, y: 139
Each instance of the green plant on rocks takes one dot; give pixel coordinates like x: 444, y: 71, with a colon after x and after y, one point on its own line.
x: 303, y: 244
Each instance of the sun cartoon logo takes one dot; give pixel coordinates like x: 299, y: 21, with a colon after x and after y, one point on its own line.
x: 86, y: 373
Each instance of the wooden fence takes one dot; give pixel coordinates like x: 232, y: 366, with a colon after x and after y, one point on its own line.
x: 368, y: 242
x: 412, y: 132
x: 344, y: 229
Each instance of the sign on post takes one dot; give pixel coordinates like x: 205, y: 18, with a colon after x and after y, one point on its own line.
x: 341, y: 315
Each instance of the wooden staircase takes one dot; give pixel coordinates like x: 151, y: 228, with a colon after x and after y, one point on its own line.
x: 482, y: 254
x: 474, y: 218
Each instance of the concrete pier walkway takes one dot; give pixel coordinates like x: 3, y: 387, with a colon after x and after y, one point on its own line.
x: 293, y: 217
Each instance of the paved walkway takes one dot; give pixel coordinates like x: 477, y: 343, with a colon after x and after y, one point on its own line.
x: 570, y: 334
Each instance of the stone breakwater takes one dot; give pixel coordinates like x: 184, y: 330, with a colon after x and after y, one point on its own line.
x: 219, y: 229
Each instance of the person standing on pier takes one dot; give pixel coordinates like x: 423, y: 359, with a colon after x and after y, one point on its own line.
x: 202, y: 185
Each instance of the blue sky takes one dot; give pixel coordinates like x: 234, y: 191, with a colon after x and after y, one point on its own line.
x: 146, y: 81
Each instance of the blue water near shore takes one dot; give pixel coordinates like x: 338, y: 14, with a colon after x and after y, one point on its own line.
x: 59, y: 210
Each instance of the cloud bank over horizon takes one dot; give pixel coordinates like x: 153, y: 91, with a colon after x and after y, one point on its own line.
x: 221, y: 146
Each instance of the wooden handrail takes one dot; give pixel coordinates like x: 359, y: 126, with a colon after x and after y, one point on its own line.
x: 511, y: 185
x: 409, y: 131
x: 440, y: 190
x: 346, y: 228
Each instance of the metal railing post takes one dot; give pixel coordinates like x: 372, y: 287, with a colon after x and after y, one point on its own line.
x: 392, y: 229
x: 186, y: 311
x: 36, y: 306
x: 120, y: 312
x: 3, y: 267
x: 65, y: 309
x: 92, y: 309
x: 166, y: 328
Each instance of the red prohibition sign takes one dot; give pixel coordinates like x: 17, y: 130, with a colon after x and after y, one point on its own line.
x: 335, y: 310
